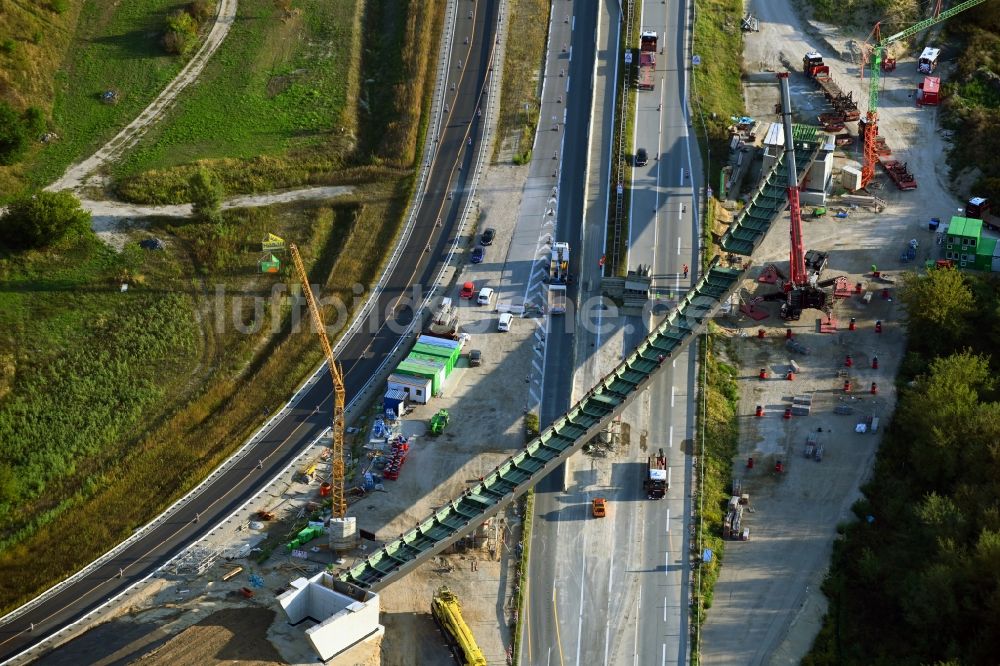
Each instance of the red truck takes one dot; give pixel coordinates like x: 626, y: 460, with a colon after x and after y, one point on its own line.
x: 979, y: 208
x: 647, y: 59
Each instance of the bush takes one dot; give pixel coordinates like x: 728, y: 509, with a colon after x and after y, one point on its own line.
x: 201, y: 10
x: 531, y: 425
x: 13, y: 135
x: 8, y: 46
x: 206, y: 194
x: 41, y: 219
x: 59, y: 6
x: 181, y: 34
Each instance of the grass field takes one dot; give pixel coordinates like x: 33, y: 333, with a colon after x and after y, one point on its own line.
x: 524, y: 57
x: 199, y: 388
x: 716, y: 88
x: 625, y: 106
x: 379, y: 124
x: 719, y: 437
x: 274, y: 85
x: 114, y: 47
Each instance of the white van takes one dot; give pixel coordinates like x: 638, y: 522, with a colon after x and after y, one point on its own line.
x: 485, y: 296
x: 503, y: 325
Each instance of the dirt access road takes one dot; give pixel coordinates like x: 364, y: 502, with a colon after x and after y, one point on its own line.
x: 78, y: 174
x: 768, y: 606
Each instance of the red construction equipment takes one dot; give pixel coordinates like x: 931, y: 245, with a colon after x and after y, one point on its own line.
x: 899, y: 174
x: 647, y: 60
x: 875, y: 62
x: 928, y: 91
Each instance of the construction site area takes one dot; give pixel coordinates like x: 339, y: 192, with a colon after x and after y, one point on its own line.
x: 818, y: 345
x: 815, y: 328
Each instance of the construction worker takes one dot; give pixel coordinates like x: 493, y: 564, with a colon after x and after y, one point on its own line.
x: 685, y: 269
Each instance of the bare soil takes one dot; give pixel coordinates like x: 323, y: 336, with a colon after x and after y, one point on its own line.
x: 768, y: 605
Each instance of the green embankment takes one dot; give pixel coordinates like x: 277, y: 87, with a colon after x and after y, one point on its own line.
x: 290, y: 92
x: 206, y: 347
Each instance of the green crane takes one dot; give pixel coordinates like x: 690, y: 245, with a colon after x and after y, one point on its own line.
x: 870, y: 130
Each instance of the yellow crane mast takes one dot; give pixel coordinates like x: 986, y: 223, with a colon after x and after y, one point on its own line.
x: 337, y: 374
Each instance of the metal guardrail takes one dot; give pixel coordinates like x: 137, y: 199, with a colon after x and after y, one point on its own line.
x: 769, y: 200
x: 555, y: 444
x: 359, y: 319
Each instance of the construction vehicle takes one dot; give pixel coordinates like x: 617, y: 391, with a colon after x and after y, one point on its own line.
x: 899, y: 174
x: 439, y: 422
x: 444, y: 323
x: 656, y: 482
x: 447, y: 613
x: 599, y: 507
x: 338, y: 502
x: 559, y: 264
x: 844, y: 105
x: 928, y: 60
x: 557, y: 299
x: 979, y: 208
x: 802, y: 290
x: 647, y: 59
x: 869, y: 130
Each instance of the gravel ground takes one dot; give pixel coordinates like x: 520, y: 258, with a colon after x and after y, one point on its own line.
x: 767, y: 605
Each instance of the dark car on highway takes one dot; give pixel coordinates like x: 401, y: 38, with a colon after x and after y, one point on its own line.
x: 477, y: 255
x: 488, y: 235
x: 641, y: 157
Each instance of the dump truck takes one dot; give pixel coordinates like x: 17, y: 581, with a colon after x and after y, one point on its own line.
x: 655, y: 480
x: 447, y: 613
x: 979, y: 208
x: 557, y: 299
x: 647, y: 59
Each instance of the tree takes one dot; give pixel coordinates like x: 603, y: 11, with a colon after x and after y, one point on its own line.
x: 41, y: 219
x: 937, y: 305
x: 13, y: 135
x: 206, y: 194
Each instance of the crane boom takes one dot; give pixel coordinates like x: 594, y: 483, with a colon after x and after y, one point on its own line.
x: 339, y: 506
x: 871, y: 119
x: 797, y: 260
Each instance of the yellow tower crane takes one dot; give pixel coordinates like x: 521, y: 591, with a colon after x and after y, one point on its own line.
x: 337, y: 374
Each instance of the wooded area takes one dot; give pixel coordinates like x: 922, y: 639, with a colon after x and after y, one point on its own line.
x: 916, y: 579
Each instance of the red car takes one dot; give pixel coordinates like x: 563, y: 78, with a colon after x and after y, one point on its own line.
x: 468, y: 289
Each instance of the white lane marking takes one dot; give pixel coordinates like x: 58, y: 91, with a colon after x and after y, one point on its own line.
x: 670, y: 474
x: 673, y: 364
x: 635, y: 648
x: 668, y: 519
x: 680, y: 213
x: 673, y: 395
x: 682, y: 177
x: 664, y: 659
x: 666, y: 563
x: 583, y: 570
x: 670, y: 441
x: 607, y: 628
x: 572, y: 25
x: 678, y: 246
x: 664, y: 609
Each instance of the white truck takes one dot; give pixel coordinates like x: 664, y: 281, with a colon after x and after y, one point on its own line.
x: 557, y: 299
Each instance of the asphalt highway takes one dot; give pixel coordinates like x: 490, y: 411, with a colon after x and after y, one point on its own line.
x: 427, y: 247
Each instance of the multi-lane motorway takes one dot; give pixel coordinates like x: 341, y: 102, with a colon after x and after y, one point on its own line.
x: 615, y: 591
x: 444, y: 199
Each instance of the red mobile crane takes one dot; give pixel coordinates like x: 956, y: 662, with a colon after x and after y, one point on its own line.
x: 800, y: 291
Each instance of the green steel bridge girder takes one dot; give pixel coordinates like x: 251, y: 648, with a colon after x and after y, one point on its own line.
x: 566, y: 435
